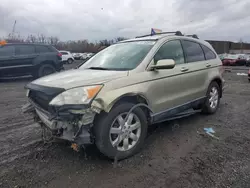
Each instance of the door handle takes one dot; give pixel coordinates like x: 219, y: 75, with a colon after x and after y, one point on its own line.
x: 184, y: 69
x: 208, y: 65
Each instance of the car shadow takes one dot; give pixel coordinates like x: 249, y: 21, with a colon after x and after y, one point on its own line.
x: 90, y: 154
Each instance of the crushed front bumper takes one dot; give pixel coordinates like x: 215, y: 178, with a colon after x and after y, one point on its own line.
x: 72, y: 125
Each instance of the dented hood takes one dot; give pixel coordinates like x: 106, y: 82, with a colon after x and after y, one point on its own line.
x: 79, y: 77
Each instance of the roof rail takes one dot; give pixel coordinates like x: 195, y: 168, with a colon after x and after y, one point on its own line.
x: 178, y: 33
x: 193, y: 36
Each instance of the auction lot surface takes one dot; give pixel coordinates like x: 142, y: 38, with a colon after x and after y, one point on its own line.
x: 176, y: 154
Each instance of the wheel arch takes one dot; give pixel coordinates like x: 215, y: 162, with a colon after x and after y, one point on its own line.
x: 219, y: 82
x: 49, y: 62
x: 128, y: 97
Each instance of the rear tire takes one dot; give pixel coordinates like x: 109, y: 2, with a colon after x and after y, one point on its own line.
x: 105, y: 139
x: 44, y: 70
x: 212, y: 100
x: 70, y: 61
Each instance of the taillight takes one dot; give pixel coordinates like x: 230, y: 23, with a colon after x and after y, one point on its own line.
x: 59, y: 56
x: 249, y: 71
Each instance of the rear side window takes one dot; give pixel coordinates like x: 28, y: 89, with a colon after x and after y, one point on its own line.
x: 193, y: 51
x: 7, y: 51
x: 170, y: 50
x: 209, y: 54
x: 42, y: 49
x: 64, y: 53
x: 25, y: 49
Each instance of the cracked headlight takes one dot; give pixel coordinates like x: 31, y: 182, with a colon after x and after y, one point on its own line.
x: 79, y: 95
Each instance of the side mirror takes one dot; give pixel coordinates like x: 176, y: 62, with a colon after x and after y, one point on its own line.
x: 163, y: 64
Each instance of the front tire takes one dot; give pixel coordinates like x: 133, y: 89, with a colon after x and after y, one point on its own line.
x: 212, y: 100
x: 44, y: 70
x: 115, y: 140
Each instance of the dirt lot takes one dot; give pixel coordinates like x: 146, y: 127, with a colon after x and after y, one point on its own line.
x: 175, y: 153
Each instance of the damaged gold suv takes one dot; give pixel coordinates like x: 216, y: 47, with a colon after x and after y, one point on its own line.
x: 112, y: 99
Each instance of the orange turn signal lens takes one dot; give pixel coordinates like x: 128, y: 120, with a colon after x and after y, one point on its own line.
x: 92, y: 91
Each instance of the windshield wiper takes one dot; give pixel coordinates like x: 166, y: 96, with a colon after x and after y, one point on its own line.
x: 98, y: 68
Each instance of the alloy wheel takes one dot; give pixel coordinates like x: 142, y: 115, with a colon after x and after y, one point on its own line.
x: 125, y: 135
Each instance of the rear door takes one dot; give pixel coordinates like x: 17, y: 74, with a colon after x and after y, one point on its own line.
x: 194, y: 71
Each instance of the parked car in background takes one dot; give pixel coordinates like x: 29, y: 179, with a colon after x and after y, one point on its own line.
x: 29, y: 59
x: 84, y: 56
x: 77, y: 56
x: 112, y: 99
x: 67, y: 57
x: 222, y: 56
x: 234, y: 59
x: 89, y: 55
x: 248, y: 60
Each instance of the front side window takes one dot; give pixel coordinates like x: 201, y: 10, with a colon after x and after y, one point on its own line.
x: 209, y: 54
x: 193, y: 51
x: 170, y: 50
x: 25, y: 49
x: 121, y: 56
x: 7, y: 50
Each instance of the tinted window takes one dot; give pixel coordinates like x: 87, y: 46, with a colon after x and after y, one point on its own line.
x: 193, y: 51
x: 25, y: 49
x: 171, y: 50
x: 64, y: 53
x: 7, y: 50
x: 209, y: 54
x: 42, y: 49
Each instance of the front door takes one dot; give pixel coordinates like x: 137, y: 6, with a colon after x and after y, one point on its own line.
x: 165, y: 89
x: 25, y: 55
x: 7, y: 59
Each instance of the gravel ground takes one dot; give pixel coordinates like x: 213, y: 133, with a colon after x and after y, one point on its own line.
x: 176, y: 153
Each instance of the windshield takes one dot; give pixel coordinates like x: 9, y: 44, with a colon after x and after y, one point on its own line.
x: 122, y: 56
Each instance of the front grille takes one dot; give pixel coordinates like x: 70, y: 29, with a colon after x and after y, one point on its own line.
x: 42, y: 95
x: 40, y: 99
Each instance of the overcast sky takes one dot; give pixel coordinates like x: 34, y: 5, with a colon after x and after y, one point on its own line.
x: 100, y: 19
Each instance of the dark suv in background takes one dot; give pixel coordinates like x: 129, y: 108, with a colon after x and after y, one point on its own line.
x: 29, y: 59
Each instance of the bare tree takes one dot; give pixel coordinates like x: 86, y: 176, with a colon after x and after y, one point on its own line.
x: 73, y: 46
x: 53, y: 40
x: 42, y: 38
x: 118, y: 39
x: 31, y: 39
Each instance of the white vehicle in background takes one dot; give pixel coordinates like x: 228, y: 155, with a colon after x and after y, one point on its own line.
x: 67, y: 57
x: 89, y: 55
x: 78, y: 56
x: 84, y: 56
